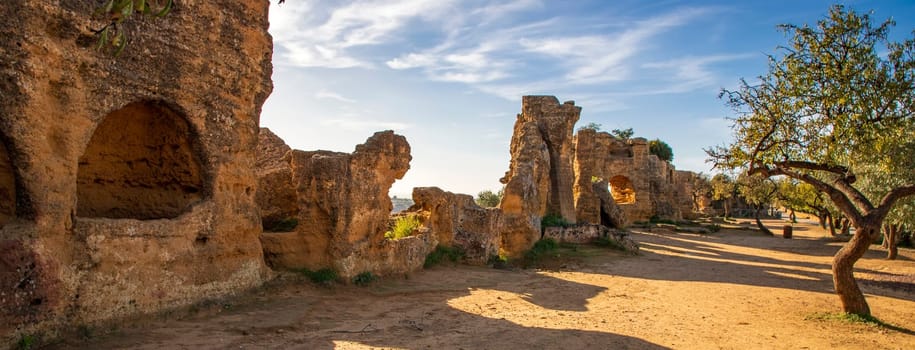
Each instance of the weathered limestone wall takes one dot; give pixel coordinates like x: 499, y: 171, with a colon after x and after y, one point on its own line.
x: 133, y: 176
x: 341, y: 205
x: 457, y: 221
x: 641, y: 184
x: 539, y: 179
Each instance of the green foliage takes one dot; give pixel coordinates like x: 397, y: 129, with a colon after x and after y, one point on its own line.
x: 590, y: 126
x: 324, y: 276
x: 488, y: 199
x: 284, y: 225
x: 835, y: 107
x: 543, y: 248
x: 25, y: 342
x: 661, y: 149
x: 553, y: 220
x: 498, y: 261
x: 364, y: 278
x: 441, y: 254
x: 624, y: 134
x: 116, y: 12
x: 404, y: 226
x: 756, y: 190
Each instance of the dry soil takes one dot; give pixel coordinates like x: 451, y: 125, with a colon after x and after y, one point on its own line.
x: 735, y: 289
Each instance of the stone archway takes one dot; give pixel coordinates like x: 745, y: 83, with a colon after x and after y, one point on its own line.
x: 621, y: 189
x: 7, y: 186
x: 140, y: 163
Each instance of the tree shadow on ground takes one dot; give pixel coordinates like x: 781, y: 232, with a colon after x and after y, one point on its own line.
x: 413, y: 313
x: 700, y: 258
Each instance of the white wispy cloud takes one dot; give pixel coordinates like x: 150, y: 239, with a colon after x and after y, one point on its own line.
x: 330, y: 95
x: 690, y: 73
x: 492, y: 46
x: 365, y: 125
x: 314, y: 38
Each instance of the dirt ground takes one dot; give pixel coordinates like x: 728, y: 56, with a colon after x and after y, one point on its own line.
x: 734, y: 289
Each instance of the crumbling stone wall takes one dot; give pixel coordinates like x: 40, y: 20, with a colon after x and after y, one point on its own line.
x: 133, y: 175
x: 341, y: 205
x: 539, y: 179
x: 641, y: 185
x: 457, y: 221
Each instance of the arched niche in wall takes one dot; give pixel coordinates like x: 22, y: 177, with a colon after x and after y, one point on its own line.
x: 621, y: 189
x: 7, y: 186
x: 141, y: 163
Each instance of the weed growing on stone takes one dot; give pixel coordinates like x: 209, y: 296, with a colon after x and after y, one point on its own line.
x: 403, y: 227
x: 25, y: 342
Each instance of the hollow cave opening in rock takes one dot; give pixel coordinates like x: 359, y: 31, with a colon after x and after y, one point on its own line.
x: 7, y: 186
x: 140, y: 163
x: 621, y: 190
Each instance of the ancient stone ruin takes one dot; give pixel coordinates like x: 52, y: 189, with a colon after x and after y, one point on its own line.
x: 335, y: 206
x: 641, y: 184
x: 140, y: 183
x: 127, y: 183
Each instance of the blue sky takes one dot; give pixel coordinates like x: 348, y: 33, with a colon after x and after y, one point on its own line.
x: 449, y: 75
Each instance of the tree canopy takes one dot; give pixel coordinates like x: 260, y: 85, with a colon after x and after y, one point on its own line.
x: 489, y: 199
x: 661, y: 149
x: 836, y: 104
x: 624, y: 134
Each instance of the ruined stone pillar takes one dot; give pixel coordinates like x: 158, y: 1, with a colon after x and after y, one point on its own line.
x: 556, y: 123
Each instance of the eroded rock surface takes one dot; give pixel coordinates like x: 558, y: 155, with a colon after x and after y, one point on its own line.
x: 640, y: 184
x: 341, y: 205
x: 540, y: 177
x: 132, y: 176
x: 586, y: 233
x: 457, y: 221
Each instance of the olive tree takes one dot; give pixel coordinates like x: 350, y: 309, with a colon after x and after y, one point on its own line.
x: 839, y: 98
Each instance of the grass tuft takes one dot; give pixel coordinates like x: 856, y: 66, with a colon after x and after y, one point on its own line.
x: 553, y: 220
x: 404, y: 226
x: 325, y: 276
x: 441, y: 254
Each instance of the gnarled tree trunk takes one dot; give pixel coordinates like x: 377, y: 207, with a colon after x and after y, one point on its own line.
x: 832, y: 224
x: 843, y: 269
x: 890, y: 238
x: 760, y: 225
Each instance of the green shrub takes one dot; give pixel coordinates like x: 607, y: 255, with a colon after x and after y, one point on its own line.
x: 25, y: 342
x: 498, y: 261
x: 442, y: 253
x: 404, y: 226
x: 324, y: 276
x: 543, y: 248
x: 285, y: 225
x: 553, y: 220
x: 364, y: 278
x: 713, y: 228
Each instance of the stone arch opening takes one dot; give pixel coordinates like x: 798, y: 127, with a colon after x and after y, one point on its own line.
x: 621, y: 189
x: 141, y: 163
x: 7, y: 186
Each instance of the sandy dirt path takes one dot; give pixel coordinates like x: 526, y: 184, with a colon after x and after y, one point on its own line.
x: 729, y: 290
